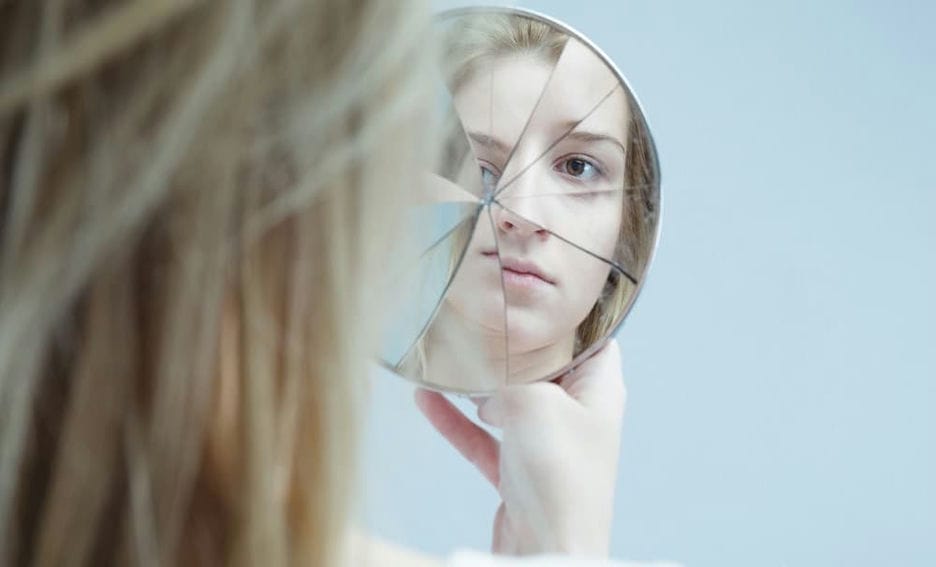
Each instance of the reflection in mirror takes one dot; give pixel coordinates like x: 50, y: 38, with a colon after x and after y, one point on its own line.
x: 469, y: 319
x: 551, y: 181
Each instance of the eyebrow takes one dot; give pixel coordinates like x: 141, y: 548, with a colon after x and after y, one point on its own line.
x: 577, y: 135
x: 489, y: 142
x: 588, y: 137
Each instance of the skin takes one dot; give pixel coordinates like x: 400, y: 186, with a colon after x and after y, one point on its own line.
x: 570, y: 192
x: 554, y: 464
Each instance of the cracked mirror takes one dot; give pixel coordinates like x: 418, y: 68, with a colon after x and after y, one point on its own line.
x: 537, y: 222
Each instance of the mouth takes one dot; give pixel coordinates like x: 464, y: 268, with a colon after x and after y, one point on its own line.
x: 519, y: 272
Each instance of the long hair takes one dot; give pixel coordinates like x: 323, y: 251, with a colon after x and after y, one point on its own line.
x: 193, y: 195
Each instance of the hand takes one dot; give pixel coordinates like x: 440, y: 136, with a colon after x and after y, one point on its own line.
x: 556, y: 465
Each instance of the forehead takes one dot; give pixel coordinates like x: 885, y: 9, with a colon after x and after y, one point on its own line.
x: 501, y: 93
x: 499, y: 97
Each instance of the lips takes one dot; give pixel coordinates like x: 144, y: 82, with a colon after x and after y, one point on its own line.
x: 520, y: 268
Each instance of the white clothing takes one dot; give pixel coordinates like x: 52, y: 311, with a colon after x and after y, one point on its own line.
x: 467, y: 558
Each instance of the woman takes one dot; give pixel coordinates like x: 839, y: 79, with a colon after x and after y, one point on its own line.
x: 567, y: 168
x: 191, y: 195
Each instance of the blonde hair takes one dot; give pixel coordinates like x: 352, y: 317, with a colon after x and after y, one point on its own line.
x: 192, y: 196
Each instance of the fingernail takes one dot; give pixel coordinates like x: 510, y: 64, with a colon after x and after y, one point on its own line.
x: 490, y: 411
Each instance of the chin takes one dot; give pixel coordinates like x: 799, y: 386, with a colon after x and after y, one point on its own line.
x: 528, y: 332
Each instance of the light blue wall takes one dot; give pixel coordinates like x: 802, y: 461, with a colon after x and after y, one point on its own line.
x: 781, y: 362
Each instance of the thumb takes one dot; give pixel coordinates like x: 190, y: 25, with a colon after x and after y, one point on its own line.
x: 598, y: 383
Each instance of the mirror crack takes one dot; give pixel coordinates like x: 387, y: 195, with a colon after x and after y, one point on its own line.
x: 536, y: 106
x: 445, y: 289
x: 626, y: 273
x: 555, y: 142
x: 628, y: 190
x: 451, y: 231
x: 504, y: 292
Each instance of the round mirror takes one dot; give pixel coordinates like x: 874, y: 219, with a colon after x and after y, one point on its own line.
x: 538, y: 220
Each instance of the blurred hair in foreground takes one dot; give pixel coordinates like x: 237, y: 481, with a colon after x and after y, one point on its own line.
x: 195, y: 198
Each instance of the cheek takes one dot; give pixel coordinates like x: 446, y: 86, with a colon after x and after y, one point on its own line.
x: 593, y: 224
x: 608, y: 221
x: 587, y: 277
x: 476, y: 293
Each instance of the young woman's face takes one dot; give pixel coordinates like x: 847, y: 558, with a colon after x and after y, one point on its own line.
x: 551, y: 187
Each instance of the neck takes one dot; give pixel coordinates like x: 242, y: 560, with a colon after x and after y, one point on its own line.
x: 449, y: 360
x: 527, y: 365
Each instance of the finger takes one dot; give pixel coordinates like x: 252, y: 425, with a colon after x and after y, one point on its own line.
x: 498, y: 539
x: 478, y: 401
x: 598, y: 382
x: 490, y: 412
x: 474, y: 443
x: 504, y: 539
x: 524, y: 402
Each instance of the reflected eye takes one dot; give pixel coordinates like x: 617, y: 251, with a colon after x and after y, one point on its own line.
x: 580, y: 168
x: 489, y: 178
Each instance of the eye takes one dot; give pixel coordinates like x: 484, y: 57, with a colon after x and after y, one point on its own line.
x: 579, y: 168
x: 489, y: 178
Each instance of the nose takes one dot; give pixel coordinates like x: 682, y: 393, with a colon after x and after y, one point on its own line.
x: 510, y: 223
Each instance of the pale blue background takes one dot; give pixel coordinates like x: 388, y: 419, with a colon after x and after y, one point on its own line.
x: 781, y: 362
